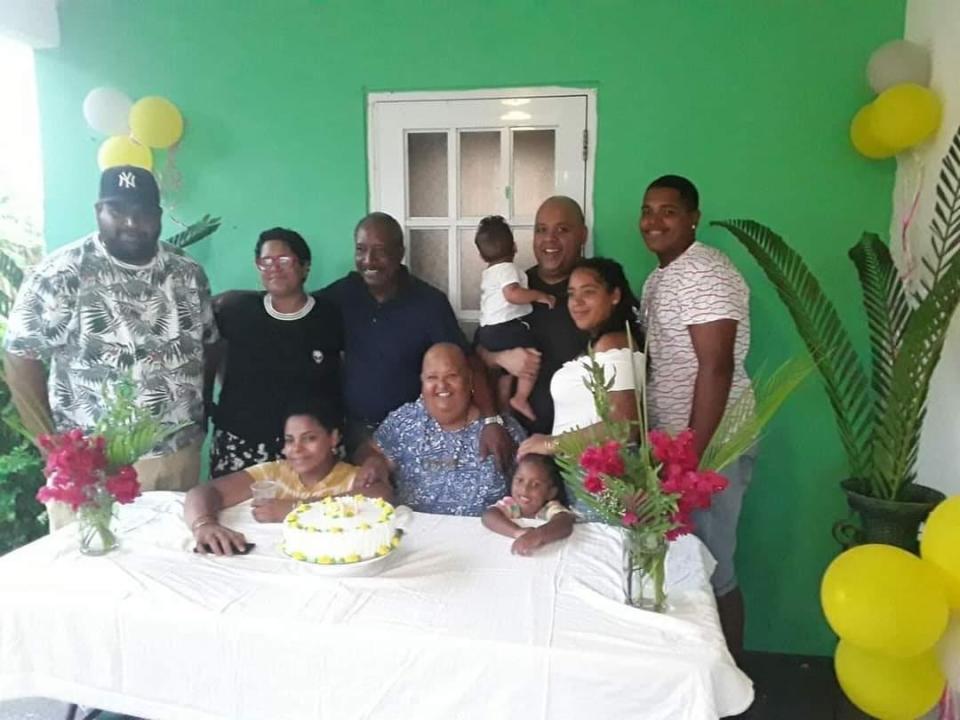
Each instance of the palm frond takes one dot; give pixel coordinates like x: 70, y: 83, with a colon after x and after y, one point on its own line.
x: 748, y: 415
x: 945, y: 226
x: 898, y: 433
x: 888, y: 312
x: 822, y: 332
x: 195, y: 233
x: 10, y: 270
x: 11, y: 275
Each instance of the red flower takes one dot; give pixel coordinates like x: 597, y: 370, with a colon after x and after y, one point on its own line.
x: 593, y: 484
x: 75, y: 469
x: 604, y: 459
x: 629, y: 519
x: 674, y: 451
x: 72, y: 495
x: 124, y: 485
x: 73, y: 458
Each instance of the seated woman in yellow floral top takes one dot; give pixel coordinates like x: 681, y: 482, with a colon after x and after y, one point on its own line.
x: 311, y: 470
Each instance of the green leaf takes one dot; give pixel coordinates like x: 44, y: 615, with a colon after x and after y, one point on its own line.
x: 195, y: 233
x: 749, y: 414
x: 822, y: 332
x: 130, y: 430
x: 945, y: 226
x: 898, y: 434
x: 888, y: 312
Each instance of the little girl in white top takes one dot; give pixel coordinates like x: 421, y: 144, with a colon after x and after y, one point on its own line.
x: 532, y: 513
x: 504, y: 301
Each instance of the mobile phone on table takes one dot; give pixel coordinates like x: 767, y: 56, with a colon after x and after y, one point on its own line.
x: 246, y: 548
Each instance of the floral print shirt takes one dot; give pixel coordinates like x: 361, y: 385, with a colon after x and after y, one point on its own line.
x: 94, y: 319
x: 440, y: 471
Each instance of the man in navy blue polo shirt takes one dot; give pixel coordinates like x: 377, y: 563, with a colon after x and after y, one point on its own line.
x: 390, y: 319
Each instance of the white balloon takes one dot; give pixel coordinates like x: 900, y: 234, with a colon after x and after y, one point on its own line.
x: 896, y: 62
x: 107, y: 111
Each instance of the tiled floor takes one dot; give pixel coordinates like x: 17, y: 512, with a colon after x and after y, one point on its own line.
x: 788, y: 687
x: 43, y: 709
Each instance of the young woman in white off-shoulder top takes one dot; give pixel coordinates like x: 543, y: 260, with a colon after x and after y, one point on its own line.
x: 601, y: 303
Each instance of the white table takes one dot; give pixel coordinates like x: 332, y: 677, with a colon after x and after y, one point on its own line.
x: 453, y: 627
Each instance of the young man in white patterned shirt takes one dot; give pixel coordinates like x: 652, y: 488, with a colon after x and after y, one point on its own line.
x: 696, y: 315
x: 115, y: 303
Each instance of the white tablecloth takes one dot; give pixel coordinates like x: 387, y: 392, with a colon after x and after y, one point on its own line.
x: 453, y: 627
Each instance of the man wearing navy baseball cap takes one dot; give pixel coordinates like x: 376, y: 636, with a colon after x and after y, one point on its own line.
x: 115, y: 303
x: 128, y: 213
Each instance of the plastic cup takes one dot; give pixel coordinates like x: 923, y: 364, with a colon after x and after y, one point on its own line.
x: 264, y: 490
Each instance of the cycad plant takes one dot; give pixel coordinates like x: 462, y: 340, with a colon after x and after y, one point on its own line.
x: 879, y: 413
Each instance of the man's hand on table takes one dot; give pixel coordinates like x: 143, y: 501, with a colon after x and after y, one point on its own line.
x: 496, y: 441
x: 219, y: 540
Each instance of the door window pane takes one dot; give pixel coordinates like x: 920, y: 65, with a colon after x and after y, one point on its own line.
x: 427, y: 174
x: 523, y: 237
x: 471, y: 265
x: 534, y: 153
x: 427, y: 257
x: 480, y: 185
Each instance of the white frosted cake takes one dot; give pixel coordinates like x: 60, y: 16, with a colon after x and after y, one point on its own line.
x: 341, y: 530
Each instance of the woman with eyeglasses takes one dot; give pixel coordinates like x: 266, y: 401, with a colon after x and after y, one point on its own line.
x: 277, y: 346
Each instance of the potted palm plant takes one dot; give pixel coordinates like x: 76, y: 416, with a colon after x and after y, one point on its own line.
x: 879, y: 413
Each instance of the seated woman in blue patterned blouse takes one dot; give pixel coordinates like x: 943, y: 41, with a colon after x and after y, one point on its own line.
x: 431, y: 445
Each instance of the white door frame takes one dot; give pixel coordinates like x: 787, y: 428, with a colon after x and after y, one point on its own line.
x: 373, y: 199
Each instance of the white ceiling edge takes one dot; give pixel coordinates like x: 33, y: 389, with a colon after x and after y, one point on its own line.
x: 33, y: 22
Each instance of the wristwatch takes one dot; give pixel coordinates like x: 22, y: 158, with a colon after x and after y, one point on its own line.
x: 493, y: 420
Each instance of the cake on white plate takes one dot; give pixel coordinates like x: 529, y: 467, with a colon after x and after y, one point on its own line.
x: 342, y: 530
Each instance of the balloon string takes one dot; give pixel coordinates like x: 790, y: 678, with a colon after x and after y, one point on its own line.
x: 948, y: 710
x: 909, y: 263
x: 171, y: 182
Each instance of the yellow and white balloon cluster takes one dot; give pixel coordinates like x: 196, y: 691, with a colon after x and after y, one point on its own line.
x: 891, y: 611
x: 134, y: 127
x: 905, y: 112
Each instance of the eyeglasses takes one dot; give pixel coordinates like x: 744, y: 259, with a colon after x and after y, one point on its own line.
x: 271, y: 261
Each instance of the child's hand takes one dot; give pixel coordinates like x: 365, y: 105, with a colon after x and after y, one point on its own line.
x: 547, y: 299
x: 527, y: 543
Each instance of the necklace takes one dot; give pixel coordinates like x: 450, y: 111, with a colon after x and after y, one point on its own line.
x: 295, y: 315
x: 436, y: 457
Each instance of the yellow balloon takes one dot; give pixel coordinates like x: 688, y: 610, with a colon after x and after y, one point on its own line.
x: 940, y: 545
x: 121, y: 150
x: 886, y: 687
x: 861, y: 135
x: 155, y: 121
x: 905, y: 115
x: 883, y: 598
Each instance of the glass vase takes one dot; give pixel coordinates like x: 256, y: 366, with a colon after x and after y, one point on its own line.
x: 644, y: 572
x: 96, y: 535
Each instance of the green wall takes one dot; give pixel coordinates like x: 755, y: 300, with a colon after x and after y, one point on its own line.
x: 750, y: 99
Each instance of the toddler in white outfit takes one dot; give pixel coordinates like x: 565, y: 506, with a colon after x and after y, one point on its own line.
x: 505, y: 300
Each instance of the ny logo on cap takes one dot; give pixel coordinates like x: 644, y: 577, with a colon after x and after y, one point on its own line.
x: 127, y: 180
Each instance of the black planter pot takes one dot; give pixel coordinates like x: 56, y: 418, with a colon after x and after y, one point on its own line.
x: 889, y: 522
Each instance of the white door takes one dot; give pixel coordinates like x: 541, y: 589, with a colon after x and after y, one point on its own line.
x: 440, y: 165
